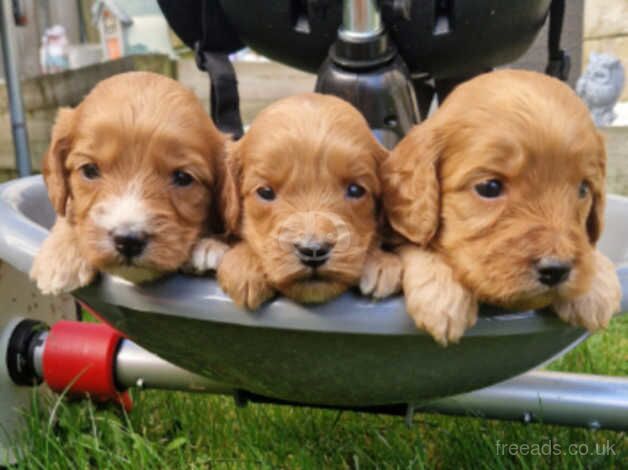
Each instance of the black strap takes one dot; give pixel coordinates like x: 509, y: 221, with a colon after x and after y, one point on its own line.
x: 559, y: 62
x: 223, y: 91
x: 206, y: 20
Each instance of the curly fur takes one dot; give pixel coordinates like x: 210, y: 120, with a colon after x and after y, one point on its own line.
x: 308, y: 149
x: 532, y: 133
x: 138, y: 128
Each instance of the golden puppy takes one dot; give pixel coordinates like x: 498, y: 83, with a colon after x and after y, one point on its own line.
x: 133, y: 173
x: 504, y: 189
x: 304, y: 194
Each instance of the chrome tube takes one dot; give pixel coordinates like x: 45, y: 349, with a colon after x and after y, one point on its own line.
x: 14, y: 91
x: 584, y: 400
x: 361, y: 20
x: 136, y: 367
x: 38, y: 354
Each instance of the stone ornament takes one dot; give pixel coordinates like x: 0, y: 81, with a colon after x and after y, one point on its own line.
x: 600, y: 86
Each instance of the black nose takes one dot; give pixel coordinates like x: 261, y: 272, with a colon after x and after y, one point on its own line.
x: 313, y: 254
x: 552, y: 271
x: 130, y: 245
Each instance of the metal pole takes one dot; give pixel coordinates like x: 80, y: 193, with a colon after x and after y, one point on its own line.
x: 136, y: 367
x: 361, y: 20
x: 14, y: 92
x: 593, y: 401
x: 81, y: 22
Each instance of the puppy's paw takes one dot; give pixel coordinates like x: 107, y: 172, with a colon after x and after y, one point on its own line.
x: 594, y: 309
x: 381, y: 275
x: 240, y: 275
x: 206, y: 255
x: 435, y: 301
x: 445, y: 312
x: 58, y: 272
x: 59, y: 267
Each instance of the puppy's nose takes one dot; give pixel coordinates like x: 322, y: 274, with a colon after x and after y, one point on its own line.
x: 313, y: 254
x: 130, y: 245
x: 552, y: 271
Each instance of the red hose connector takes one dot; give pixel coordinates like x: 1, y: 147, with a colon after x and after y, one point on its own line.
x: 80, y: 358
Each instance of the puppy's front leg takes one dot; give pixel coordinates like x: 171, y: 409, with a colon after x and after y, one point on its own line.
x: 381, y: 275
x: 206, y: 255
x: 241, y: 276
x: 594, y: 309
x: 434, y: 299
x: 59, y: 266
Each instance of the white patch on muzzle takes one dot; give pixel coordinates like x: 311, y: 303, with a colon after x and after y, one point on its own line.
x: 122, y: 214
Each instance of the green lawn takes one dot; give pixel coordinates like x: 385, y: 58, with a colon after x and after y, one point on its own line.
x: 179, y: 430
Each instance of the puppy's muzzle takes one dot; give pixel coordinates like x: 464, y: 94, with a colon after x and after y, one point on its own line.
x: 313, y: 254
x: 313, y: 235
x: 552, y: 272
x: 130, y: 245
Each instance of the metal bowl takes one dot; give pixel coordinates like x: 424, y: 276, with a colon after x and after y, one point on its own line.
x: 350, y: 351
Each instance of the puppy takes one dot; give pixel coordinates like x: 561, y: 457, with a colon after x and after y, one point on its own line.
x: 503, y: 192
x: 304, y: 191
x: 133, y: 174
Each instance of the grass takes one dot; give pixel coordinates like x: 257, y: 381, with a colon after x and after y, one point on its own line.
x: 180, y: 430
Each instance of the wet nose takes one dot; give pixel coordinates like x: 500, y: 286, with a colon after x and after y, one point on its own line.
x: 552, y: 271
x: 313, y: 254
x: 130, y: 245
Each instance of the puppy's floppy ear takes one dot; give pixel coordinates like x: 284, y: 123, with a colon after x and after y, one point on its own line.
x: 595, y: 219
x: 53, y: 167
x: 410, y: 185
x: 230, y: 188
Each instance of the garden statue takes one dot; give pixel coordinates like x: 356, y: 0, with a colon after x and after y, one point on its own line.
x: 600, y: 86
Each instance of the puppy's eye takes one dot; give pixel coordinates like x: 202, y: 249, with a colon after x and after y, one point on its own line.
x: 490, y: 189
x: 355, y: 191
x: 181, y: 178
x: 90, y: 171
x: 584, y: 190
x: 266, y: 193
